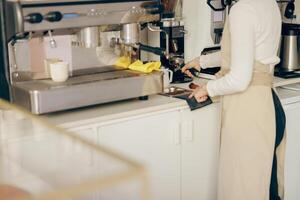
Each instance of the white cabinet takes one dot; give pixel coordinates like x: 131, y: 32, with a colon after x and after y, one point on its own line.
x: 292, y: 160
x: 153, y: 141
x: 200, y: 153
x: 179, y: 148
x: 130, y: 190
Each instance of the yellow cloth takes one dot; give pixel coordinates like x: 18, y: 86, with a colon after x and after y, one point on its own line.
x: 123, y: 61
x: 138, y: 65
x: 145, y: 68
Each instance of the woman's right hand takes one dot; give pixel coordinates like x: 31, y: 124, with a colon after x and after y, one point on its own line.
x: 195, y: 63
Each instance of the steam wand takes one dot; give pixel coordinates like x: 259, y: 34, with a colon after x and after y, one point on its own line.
x: 156, y: 50
x: 52, y: 40
x: 155, y: 29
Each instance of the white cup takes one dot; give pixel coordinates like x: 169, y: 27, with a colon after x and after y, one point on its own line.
x: 59, y: 71
x: 47, y: 63
x: 168, y: 76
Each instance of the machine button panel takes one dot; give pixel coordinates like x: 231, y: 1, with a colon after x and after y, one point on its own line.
x: 53, y: 16
x: 34, y: 18
x: 62, y: 16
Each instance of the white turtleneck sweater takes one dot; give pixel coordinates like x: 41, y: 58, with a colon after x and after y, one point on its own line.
x: 255, y: 28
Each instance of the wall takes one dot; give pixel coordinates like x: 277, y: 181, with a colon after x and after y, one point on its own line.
x: 197, y: 17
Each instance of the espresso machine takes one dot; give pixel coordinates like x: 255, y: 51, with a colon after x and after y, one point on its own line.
x: 90, y: 36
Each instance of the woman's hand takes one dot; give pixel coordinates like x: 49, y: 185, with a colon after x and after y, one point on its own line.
x: 200, y: 94
x: 192, y: 64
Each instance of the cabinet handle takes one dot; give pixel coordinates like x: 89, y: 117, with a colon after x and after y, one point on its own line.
x: 187, y: 131
x: 176, y: 135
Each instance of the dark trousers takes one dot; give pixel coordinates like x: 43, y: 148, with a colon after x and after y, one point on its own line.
x: 4, y: 91
x: 280, y: 130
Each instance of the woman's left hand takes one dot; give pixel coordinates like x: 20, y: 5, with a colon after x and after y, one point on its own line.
x: 200, y: 94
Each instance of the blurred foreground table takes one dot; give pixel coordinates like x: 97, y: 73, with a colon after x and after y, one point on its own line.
x: 41, y: 162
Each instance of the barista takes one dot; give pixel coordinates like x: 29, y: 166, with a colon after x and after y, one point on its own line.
x: 253, y: 120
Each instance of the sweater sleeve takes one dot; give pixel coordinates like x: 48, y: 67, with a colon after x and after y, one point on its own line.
x: 242, y: 53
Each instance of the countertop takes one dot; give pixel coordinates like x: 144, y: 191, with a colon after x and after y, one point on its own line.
x: 134, y: 107
x: 116, y: 110
x: 288, y: 96
x: 120, y: 110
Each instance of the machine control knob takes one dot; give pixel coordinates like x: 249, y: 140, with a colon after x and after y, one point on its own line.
x: 34, y: 18
x: 53, y: 16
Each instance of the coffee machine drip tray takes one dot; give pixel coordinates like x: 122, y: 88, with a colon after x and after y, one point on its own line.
x: 79, y: 80
x: 45, y: 96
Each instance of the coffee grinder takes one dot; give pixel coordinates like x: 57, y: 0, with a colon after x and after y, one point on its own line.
x: 176, y: 32
x: 171, y: 36
x: 289, y: 51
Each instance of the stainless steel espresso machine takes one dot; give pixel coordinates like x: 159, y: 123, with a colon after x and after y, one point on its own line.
x: 90, y: 35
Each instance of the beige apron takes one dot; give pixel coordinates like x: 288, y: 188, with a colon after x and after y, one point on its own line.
x: 248, y: 136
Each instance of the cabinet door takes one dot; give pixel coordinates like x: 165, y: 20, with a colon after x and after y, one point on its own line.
x: 200, y: 152
x: 153, y: 141
x: 132, y: 189
x: 90, y: 134
x: 292, y: 159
